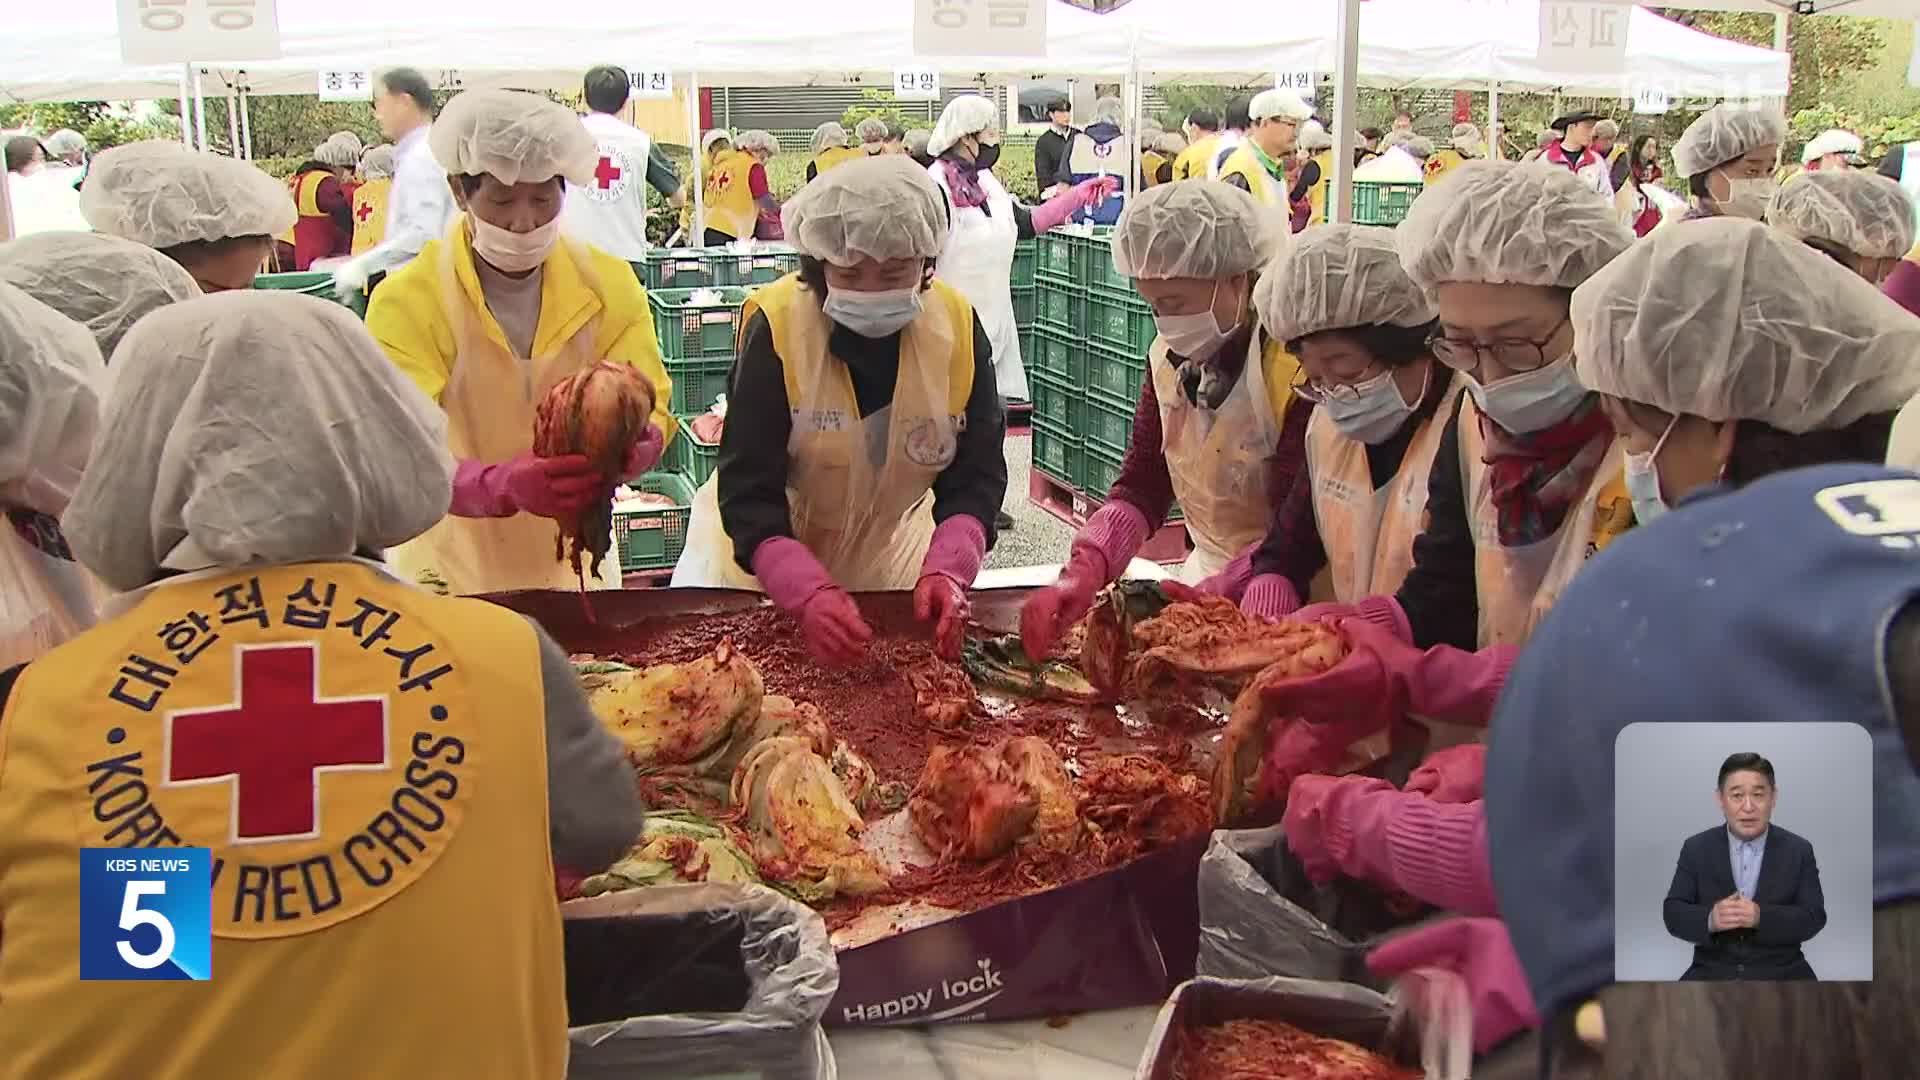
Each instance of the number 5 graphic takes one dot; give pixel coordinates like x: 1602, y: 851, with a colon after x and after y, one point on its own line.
x: 132, y: 915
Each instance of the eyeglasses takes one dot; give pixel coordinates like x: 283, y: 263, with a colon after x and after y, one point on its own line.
x: 1320, y: 391
x: 1513, y: 354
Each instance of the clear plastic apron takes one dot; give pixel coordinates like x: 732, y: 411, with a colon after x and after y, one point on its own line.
x: 43, y: 600
x: 978, y: 261
x: 1218, y: 460
x: 868, y: 523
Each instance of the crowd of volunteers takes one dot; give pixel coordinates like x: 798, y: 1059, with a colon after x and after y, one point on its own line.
x: 1548, y: 455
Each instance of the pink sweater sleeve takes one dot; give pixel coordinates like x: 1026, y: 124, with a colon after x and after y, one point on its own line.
x: 1903, y: 286
x: 1434, y: 851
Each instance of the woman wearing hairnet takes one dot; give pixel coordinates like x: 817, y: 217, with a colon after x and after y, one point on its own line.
x: 102, y: 282
x: 736, y: 184
x: 322, y: 190
x: 1464, y: 146
x: 863, y: 441
x: 1216, y: 426
x: 874, y: 137
x: 255, y: 454
x: 1728, y: 156
x: 370, y: 198
x: 985, y: 224
x: 1860, y: 219
x: 1102, y: 150
x: 215, y: 216
x: 829, y: 148
x: 488, y: 318
x: 51, y: 382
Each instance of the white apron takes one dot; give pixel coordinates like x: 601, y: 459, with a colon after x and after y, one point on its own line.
x: 978, y: 261
x: 1217, y: 460
x: 489, y: 402
x: 869, y: 523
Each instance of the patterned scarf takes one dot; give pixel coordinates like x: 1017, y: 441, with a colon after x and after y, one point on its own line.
x: 964, y: 177
x: 40, y: 530
x: 1536, y: 478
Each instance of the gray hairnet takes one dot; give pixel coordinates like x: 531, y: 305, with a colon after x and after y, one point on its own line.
x: 1194, y: 229
x: 1419, y: 146
x: 1284, y: 104
x: 916, y: 140
x: 1727, y: 319
x: 51, y: 383
x: 827, y: 135
x: 161, y: 194
x: 758, y: 140
x: 377, y: 162
x: 64, y: 142
x: 342, y: 149
x: 1607, y: 129
x: 1860, y: 212
x: 1396, y: 138
x: 1724, y: 133
x: 513, y: 136
x: 256, y: 427
x: 880, y: 207
x: 968, y: 114
x: 872, y: 130
x: 716, y: 135
x: 1503, y: 223
x: 1108, y: 110
x: 1334, y: 277
x: 1314, y: 137
x: 1170, y: 143
x: 102, y: 282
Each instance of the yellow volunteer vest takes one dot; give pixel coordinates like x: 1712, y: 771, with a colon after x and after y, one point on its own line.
x: 1517, y: 586
x: 366, y: 762
x: 1150, y: 163
x: 832, y: 157
x: 730, y: 206
x: 1244, y: 162
x: 1317, y: 194
x: 1443, y: 162
x: 1192, y: 162
x: 370, y: 213
x: 868, y: 524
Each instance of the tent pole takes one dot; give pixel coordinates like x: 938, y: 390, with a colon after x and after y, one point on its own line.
x: 1780, y: 32
x: 246, y: 124
x: 1346, y: 71
x: 1137, y: 103
x: 1493, y: 121
x: 233, y: 122
x: 699, y: 237
x: 186, y: 99
x: 199, y: 109
x: 6, y: 212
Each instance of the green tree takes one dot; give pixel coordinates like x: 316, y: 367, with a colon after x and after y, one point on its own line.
x: 879, y: 104
x: 1829, y: 53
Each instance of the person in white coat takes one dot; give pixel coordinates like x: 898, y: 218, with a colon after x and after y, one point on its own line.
x: 609, y: 210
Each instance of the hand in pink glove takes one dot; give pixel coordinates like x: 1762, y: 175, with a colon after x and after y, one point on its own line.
x: 1455, y: 775
x: 1362, y: 827
x: 1270, y: 596
x: 1384, y: 610
x: 1048, y: 612
x: 645, y: 454
x: 1057, y: 210
x: 954, y: 555
x: 936, y: 597
x: 796, y: 582
x: 1232, y: 581
x: 1479, y: 951
x: 551, y: 487
x: 836, y: 634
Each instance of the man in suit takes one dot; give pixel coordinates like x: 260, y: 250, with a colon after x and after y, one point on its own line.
x: 1747, y: 894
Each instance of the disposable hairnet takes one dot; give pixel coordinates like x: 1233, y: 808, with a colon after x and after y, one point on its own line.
x: 377, y: 162
x: 881, y: 207
x: 1314, y: 137
x: 916, y: 140
x: 1503, y: 223
x: 1466, y: 139
x: 872, y: 130
x: 1396, y: 138
x: 64, y: 142
x: 1284, y: 104
x: 1834, y: 141
x: 1727, y: 319
x: 251, y: 427
x: 827, y: 135
x: 758, y: 141
x: 1194, y: 229
x: 513, y: 136
x: 1338, y: 276
x: 1724, y: 133
x: 717, y: 135
x: 348, y: 138
x: 968, y: 114
x: 51, y: 383
x: 1860, y: 212
x: 102, y: 282
x: 1419, y: 146
x: 1108, y: 110
x: 1606, y: 129
x: 161, y: 194
x: 1170, y: 143
x: 338, y: 151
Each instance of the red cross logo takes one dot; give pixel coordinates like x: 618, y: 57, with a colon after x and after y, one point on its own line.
x: 365, y: 211
x: 275, y: 741
x: 606, y: 172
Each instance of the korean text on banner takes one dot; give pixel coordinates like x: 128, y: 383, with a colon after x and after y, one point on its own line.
x: 916, y: 84
x: 1584, y: 35
x: 648, y: 83
x: 1304, y: 83
x: 204, y: 31
x: 980, y: 27
x: 346, y: 85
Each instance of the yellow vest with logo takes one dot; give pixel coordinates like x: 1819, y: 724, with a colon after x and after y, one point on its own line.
x: 370, y: 213
x: 730, y: 206
x: 1244, y: 162
x: 1192, y: 162
x: 1317, y: 194
x: 834, y: 156
x: 1150, y: 162
x: 367, y: 764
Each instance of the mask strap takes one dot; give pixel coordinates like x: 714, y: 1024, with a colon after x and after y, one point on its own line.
x: 1654, y: 454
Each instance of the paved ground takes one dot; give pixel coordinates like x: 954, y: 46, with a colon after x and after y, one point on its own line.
x: 1037, y: 537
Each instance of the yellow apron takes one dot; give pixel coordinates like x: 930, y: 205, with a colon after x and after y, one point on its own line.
x: 833, y: 157
x: 370, y: 213
x: 868, y: 524
x: 1368, y: 533
x: 1517, y: 586
x: 1317, y: 194
x: 1192, y: 162
x: 489, y: 401
x: 1243, y: 162
x: 1218, y: 459
x: 368, y: 765
x: 730, y: 208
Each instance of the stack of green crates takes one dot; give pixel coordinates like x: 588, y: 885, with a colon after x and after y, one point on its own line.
x: 1024, y: 296
x: 1378, y: 202
x: 312, y: 283
x: 653, y: 538
x: 693, y: 268
x: 1057, y: 364
x: 696, y: 340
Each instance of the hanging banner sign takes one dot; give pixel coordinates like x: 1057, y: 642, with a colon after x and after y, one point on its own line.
x: 1304, y: 83
x: 650, y: 84
x: 346, y: 85
x: 1650, y: 103
x: 980, y: 27
x: 1584, y: 35
x: 916, y: 84
x: 203, y: 31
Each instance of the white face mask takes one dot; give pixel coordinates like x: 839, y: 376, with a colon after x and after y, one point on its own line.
x: 873, y: 314
x: 1531, y: 401
x: 1375, y: 410
x: 1643, y: 479
x: 511, y: 252
x: 1195, y: 336
x: 1748, y: 198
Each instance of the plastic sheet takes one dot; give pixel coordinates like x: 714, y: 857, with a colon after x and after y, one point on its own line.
x: 1355, y: 1014
x: 44, y: 599
x: 792, y: 974
x: 1261, y: 916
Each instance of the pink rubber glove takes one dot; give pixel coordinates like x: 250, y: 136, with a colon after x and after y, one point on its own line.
x: 1232, y: 581
x: 829, y: 620
x: 1457, y: 774
x: 1384, y: 610
x: 1270, y: 596
x: 645, y: 454
x: 1057, y: 210
x: 953, y: 560
x: 936, y: 598
x: 550, y: 487
x: 1101, y: 550
x: 1479, y: 951
x: 1361, y: 827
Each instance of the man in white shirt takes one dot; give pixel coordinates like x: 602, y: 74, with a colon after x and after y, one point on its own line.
x: 421, y: 204
x: 610, y: 212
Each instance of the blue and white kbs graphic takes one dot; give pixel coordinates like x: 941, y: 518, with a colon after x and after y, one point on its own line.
x: 146, y: 915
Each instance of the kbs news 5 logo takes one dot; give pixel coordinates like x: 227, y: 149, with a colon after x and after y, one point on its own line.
x: 146, y: 915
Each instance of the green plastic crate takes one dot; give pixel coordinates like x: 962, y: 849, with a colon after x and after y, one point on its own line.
x: 1057, y: 453
x: 1057, y: 354
x: 765, y: 266
x: 690, y: 331
x: 1026, y: 254
x: 1056, y: 402
x: 701, y: 457
x: 1114, y: 376
x: 1120, y: 321
x: 652, y: 539
x: 1101, y: 471
x: 697, y: 384
x: 1100, y: 271
x: 1062, y: 312
x: 1029, y: 345
x: 1108, y: 425
x: 1379, y: 203
x: 680, y: 268
x: 1026, y: 304
x: 1060, y: 261
x: 312, y: 283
